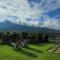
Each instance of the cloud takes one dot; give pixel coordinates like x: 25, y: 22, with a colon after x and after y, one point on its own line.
x: 31, y: 13
x: 48, y: 22
x: 19, y: 8
x: 52, y: 23
x: 35, y: 23
x: 50, y: 5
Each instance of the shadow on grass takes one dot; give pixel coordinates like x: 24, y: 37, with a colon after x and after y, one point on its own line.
x: 27, y: 53
x: 32, y: 49
x: 2, y: 44
x: 41, y: 44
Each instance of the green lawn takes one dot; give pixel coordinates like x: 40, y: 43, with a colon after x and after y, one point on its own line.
x: 34, y: 52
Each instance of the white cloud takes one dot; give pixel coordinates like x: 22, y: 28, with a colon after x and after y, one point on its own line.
x: 22, y: 9
x: 50, y: 5
x: 35, y: 23
x: 52, y: 23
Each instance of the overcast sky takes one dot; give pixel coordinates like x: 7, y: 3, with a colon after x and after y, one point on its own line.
x: 38, y: 13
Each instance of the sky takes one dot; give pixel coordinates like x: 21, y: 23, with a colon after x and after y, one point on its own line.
x: 37, y: 13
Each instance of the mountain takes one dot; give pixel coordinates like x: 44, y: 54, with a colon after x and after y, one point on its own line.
x: 12, y: 27
x: 5, y: 24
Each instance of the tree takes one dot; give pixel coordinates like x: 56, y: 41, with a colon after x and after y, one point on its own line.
x: 1, y: 41
x: 24, y: 35
x: 40, y: 37
x: 14, y: 37
x: 46, y: 38
x: 32, y: 37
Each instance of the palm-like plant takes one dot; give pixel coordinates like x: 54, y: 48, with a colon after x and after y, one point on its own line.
x: 46, y: 38
x: 32, y: 37
x: 40, y: 37
x: 1, y: 37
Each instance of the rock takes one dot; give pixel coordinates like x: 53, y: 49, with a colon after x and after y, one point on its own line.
x: 57, y: 52
x: 50, y: 50
x: 14, y: 45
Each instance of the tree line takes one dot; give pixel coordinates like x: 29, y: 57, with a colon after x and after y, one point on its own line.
x: 9, y: 37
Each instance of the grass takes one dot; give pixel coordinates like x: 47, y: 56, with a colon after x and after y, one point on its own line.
x: 33, y: 52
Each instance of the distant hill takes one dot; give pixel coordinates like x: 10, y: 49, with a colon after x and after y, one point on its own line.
x: 11, y: 27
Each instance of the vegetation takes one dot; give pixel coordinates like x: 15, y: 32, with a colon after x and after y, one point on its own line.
x: 26, y: 46
x: 22, y: 38
x: 34, y: 52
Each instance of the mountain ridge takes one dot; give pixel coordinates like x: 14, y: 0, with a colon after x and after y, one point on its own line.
x: 11, y: 27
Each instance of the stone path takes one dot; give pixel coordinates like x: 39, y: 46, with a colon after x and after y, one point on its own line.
x: 55, y: 48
